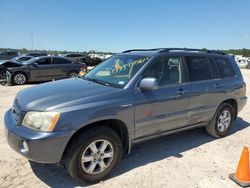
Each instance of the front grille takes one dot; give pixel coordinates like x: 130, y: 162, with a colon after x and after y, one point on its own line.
x: 16, y: 111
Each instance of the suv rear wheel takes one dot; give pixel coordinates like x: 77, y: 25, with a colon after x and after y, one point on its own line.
x: 94, y: 155
x: 222, y: 121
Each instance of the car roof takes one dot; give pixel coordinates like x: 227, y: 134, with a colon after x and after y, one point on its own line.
x: 25, y: 56
x: 140, y: 53
x: 177, y: 51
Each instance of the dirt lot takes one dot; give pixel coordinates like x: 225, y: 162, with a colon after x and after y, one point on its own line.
x: 187, y: 159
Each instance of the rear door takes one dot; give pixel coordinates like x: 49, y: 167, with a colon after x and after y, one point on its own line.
x: 40, y: 69
x: 60, y: 67
x: 203, y: 87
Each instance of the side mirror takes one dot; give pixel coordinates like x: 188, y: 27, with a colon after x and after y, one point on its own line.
x: 149, y: 83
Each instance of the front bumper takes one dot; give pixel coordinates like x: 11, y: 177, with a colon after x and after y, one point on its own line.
x: 43, y: 147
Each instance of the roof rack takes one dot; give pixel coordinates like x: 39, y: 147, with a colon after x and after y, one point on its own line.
x: 166, y: 50
x: 192, y: 50
x: 134, y: 50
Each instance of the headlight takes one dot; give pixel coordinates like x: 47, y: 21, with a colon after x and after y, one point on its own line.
x: 41, y: 121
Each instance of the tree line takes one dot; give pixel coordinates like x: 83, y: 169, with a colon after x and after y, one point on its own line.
x: 245, y: 52
x: 53, y: 52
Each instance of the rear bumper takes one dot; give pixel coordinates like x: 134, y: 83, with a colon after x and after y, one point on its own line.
x: 43, y: 147
x: 242, y: 103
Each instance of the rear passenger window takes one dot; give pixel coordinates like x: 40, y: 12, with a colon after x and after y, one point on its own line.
x: 225, y: 68
x: 198, y: 68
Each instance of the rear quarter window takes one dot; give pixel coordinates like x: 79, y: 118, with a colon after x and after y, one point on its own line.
x: 225, y: 68
x: 61, y: 61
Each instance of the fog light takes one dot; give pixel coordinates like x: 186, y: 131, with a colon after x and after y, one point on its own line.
x: 24, y: 148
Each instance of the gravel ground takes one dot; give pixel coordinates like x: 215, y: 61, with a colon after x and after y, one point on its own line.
x: 187, y: 159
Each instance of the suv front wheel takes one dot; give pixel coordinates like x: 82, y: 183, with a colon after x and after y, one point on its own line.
x: 221, y: 122
x: 94, y: 154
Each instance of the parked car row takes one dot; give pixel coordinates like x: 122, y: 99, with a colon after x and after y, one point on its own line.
x: 89, y: 60
x: 42, y: 68
x: 19, y: 69
x: 82, y: 58
x: 8, y: 55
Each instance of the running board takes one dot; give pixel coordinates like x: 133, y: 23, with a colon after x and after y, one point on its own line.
x: 139, y: 140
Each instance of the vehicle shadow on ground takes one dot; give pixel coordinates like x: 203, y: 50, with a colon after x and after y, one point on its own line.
x: 141, y: 154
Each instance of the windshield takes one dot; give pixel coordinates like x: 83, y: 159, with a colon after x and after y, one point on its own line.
x: 21, y: 59
x: 30, y: 61
x: 117, y: 70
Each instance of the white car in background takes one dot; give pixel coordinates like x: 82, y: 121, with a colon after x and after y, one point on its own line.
x: 248, y: 62
x: 241, y: 61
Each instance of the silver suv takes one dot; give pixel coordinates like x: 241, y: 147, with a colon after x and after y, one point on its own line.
x: 87, y: 124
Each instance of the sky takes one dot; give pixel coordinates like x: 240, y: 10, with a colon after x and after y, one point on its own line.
x: 116, y: 25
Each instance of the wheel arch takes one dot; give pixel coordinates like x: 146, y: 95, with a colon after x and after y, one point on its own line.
x: 233, y: 103
x: 22, y: 72
x: 117, y: 125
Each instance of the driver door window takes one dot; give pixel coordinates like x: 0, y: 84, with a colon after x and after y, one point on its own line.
x: 166, y: 70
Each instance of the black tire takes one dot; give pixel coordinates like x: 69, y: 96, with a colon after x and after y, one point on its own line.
x: 19, y: 78
x: 213, y: 128
x: 80, y: 144
x: 75, y: 73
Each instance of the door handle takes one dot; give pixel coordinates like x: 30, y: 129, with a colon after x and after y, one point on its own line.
x: 218, y: 85
x: 181, y: 91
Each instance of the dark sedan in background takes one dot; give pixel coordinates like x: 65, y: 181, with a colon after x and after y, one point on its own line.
x: 43, y: 68
x: 6, y: 55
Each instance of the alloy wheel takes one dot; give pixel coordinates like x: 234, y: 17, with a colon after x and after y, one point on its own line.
x: 97, y: 156
x: 73, y: 75
x: 224, y: 121
x: 19, y: 79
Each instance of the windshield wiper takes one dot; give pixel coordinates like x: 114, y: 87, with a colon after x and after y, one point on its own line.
x: 97, y: 81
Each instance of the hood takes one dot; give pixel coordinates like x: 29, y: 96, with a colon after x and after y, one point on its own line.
x: 2, y: 61
x: 60, y: 94
x: 9, y: 64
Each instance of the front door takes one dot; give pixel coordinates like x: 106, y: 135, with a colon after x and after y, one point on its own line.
x: 165, y: 108
x: 40, y: 70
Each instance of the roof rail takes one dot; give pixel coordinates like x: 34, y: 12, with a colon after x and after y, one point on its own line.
x: 153, y: 49
x: 162, y: 50
x: 192, y: 50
